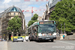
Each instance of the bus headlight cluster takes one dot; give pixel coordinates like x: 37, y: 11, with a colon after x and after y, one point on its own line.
x: 43, y: 34
x: 39, y: 34
x: 54, y: 34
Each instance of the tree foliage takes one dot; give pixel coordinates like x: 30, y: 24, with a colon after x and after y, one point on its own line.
x: 14, y: 24
x: 64, y: 13
x: 33, y: 19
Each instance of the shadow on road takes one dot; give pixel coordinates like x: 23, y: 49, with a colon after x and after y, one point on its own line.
x: 45, y: 42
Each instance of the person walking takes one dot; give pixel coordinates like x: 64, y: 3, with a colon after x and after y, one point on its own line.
x: 63, y: 36
x: 27, y: 38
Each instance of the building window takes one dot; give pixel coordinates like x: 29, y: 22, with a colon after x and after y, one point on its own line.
x: 16, y: 13
x: 12, y: 13
x: 19, y: 14
x: 54, y: 1
x: 9, y: 14
x: 12, y: 17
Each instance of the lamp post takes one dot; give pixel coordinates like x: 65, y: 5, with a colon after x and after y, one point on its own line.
x: 17, y: 33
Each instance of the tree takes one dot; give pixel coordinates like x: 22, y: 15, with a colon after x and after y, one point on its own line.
x: 64, y: 13
x: 14, y: 24
x: 30, y: 22
x: 33, y: 19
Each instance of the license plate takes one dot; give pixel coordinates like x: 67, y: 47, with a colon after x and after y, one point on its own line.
x: 47, y: 38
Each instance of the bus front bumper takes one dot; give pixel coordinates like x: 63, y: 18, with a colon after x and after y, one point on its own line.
x: 46, y: 38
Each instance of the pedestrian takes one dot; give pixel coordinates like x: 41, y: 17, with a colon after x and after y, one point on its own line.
x: 27, y: 38
x: 63, y: 36
x: 24, y: 40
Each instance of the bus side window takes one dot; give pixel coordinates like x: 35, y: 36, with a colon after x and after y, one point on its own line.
x: 35, y: 29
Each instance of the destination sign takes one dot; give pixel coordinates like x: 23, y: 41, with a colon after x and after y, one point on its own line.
x: 46, y: 22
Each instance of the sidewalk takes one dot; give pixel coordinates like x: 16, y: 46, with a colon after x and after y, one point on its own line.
x: 3, y: 45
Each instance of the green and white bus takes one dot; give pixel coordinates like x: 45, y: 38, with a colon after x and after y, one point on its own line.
x: 42, y: 30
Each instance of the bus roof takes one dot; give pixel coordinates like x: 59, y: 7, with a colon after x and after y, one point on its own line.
x: 37, y: 23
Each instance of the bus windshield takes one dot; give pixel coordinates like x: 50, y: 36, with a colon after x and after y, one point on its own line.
x: 46, y: 28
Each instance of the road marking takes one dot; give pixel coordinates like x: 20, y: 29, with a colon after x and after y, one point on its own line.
x: 66, y: 42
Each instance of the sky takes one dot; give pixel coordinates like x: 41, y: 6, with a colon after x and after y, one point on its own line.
x: 25, y: 5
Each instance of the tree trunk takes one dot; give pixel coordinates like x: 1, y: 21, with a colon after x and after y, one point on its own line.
x: 17, y: 33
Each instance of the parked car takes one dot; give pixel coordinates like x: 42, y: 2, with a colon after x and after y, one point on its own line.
x: 27, y: 38
x: 1, y: 39
x: 14, y: 40
x: 18, y: 39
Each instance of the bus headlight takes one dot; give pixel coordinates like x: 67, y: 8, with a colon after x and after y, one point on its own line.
x: 39, y: 34
x: 54, y: 34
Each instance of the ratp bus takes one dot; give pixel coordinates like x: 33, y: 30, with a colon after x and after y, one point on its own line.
x: 42, y: 30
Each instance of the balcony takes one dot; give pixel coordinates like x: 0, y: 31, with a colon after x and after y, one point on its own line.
x: 13, y: 14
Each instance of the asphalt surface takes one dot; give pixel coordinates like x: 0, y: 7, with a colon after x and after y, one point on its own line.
x: 3, y: 45
x: 56, y: 45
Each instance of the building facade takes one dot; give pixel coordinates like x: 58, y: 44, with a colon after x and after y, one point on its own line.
x: 39, y: 18
x: 7, y: 15
x: 49, y: 8
x: 0, y: 28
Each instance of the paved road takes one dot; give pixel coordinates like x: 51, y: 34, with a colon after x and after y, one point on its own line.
x: 57, y: 45
x: 3, y: 45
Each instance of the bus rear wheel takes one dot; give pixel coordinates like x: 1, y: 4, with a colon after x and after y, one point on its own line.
x: 30, y: 39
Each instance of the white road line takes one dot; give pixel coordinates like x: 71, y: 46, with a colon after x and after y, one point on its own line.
x: 66, y: 42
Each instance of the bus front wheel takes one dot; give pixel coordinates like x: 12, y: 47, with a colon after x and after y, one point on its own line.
x: 52, y: 40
